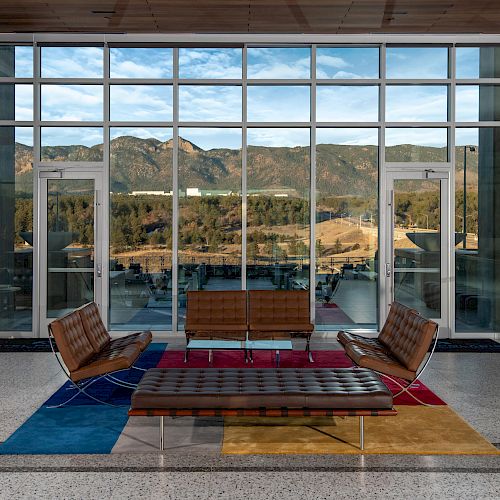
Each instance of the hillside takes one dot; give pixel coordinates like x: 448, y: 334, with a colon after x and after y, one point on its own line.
x: 146, y: 164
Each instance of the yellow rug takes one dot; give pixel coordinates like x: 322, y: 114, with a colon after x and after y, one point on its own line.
x: 415, y: 430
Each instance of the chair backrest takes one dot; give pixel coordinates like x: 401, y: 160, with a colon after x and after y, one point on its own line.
x: 206, y: 307
x: 391, y: 329
x: 278, y: 306
x: 413, y: 340
x: 74, y: 346
x: 94, y: 327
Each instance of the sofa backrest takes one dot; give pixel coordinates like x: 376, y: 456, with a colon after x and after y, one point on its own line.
x: 410, y: 345
x: 73, y: 344
x: 205, y: 307
x: 94, y: 327
x: 391, y: 329
x: 278, y: 306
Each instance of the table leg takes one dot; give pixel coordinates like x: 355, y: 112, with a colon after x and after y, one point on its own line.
x: 186, y: 354
x: 277, y: 358
x: 361, y: 433
x: 210, y: 356
x: 162, y: 435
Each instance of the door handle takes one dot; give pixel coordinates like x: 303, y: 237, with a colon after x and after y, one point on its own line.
x: 387, y: 270
x: 99, y: 271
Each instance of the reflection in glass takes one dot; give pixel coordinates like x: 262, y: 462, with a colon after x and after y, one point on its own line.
x: 209, y: 103
x: 416, y: 144
x: 210, y: 63
x: 209, y: 211
x: 417, y: 62
x: 416, y: 103
x: 140, y: 277
x: 70, y: 245
x: 72, y: 62
x: 346, y: 103
x: 140, y: 62
x: 71, y: 144
x: 264, y: 62
x: 347, y: 62
x: 477, y: 256
x: 71, y: 102
x: 477, y: 62
x: 16, y: 61
x: 17, y: 102
x: 278, y: 209
x: 140, y: 102
x: 16, y: 228
x: 346, y: 227
x: 278, y: 103
x: 417, y: 245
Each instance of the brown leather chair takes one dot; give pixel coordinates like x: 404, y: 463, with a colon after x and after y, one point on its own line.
x: 216, y: 315
x: 400, y: 349
x: 277, y: 314
x: 87, y: 359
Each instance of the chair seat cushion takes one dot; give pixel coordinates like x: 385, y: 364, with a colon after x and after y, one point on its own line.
x: 281, y: 327
x: 380, y: 361
x: 345, y: 338
x: 214, y: 327
x: 108, y: 360
x: 261, y: 388
x: 142, y: 339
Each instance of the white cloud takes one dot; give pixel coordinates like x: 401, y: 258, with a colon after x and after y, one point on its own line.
x: 24, y: 102
x: 416, y: 103
x: 467, y: 103
x: 70, y: 136
x: 72, y: 62
x: 278, y: 63
x: 141, y: 62
x: 24, y: 135
x: 466, y: 136
x: 278, y: 103
x: 141, y: 102
x: 209, y: 103
x: 72, y: 102
x: 347, y: 103
x: 278, y: 137
x: 347, y: 136
x: 210, y: 63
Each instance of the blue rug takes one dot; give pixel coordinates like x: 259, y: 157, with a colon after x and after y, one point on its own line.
x: 83, y: 426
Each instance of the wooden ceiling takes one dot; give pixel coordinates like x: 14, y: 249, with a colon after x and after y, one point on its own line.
x: 251, y: 16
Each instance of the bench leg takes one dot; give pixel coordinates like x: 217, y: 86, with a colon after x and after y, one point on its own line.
x: 162, y: 434
x: 308, y: 349
x: 361, y: 433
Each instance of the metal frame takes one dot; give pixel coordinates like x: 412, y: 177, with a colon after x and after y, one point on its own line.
x: 244, y: 41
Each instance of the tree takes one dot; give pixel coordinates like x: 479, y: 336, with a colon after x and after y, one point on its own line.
x: 337, y: 247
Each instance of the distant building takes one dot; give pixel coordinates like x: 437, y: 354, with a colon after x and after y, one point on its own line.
x: 154, y: 193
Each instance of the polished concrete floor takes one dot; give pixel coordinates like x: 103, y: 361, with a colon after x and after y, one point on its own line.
x: 468, y: 382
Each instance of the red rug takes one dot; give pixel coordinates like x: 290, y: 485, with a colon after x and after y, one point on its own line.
x: 289, y: 359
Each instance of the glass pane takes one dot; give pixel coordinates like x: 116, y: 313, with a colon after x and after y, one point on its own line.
x: 278, y: 104
x: 71, y: 102
x: 210, y: 63
x: 477, y: 103
x: 140, y: 62
x: 344, y: 103
x: 72, y: 62
x: 347, y: 62
x: 71, y: 144
x: 16, y: 61
x: 417, y: 245
x: 417, y: 62
x: 416, y: 144
x: 16, y: 229
x: 279, y: 62
x: 278, y: 209
x: 17, y: 102
x: 346, y: 227
x: 140, y: 278
x: 416, y: 103
x: 141, y: 103
x: 209, y: 103
x: 70, y: 244
x: 478, y: 62
x: 476, y: 256
x: 209, y: 211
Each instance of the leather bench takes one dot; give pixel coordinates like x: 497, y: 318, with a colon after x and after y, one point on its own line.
x: 261, y: 392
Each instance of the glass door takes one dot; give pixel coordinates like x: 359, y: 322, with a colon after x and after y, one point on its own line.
x: 417, y: 270
x: 70, y: 256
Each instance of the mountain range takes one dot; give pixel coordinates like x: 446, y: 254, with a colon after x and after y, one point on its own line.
x: 146, y: 165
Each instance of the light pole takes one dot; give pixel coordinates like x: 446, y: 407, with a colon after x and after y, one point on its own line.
x: 464, y: 223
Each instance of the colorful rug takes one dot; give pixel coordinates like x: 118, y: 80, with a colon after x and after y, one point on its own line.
x: 288, y: 359
x: 415, y: 430
x: 467, y: 345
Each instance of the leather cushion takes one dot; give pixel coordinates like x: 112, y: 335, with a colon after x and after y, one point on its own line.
x: 94, y: 327
x: 281, y: 327
x: 211, y: 327
x: 261, y: 388
x: 109, y: 360
x: 279, y: 307
x: 345, y: 338
x: 72, y: 342
x: 394, y: 323
x: 142, y: 339
x: 378, y: 360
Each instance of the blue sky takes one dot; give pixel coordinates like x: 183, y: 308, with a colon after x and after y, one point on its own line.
x: 265, y: 103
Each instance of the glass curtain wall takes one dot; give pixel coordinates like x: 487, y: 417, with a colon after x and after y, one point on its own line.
x: 238, y: 179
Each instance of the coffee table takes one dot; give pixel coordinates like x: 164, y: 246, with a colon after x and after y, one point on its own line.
x: 234, y: 345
